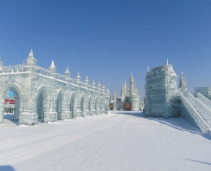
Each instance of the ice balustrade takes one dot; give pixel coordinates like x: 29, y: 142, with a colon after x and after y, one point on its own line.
x: 60, y: 77
x: 47, y: 73
x: 205, y: 101
x: 195, y: 115
x: 13, y: 68
x: 200, y: 108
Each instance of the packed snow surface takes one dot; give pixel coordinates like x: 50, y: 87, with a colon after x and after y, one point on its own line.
x: 120, y: 141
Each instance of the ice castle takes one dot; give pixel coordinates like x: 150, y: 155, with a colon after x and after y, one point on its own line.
x: 163, y: 98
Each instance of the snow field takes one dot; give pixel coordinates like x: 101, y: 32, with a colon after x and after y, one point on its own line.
x: 118, y: 141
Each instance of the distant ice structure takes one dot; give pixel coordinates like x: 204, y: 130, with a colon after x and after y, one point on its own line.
x: 129, y: 99
x: 49, y: 96
x: 205, y: 91
x: 164, y: 99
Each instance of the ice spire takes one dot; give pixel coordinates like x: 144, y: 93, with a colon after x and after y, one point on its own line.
x: 124, y: 86
x: 78, y: 77
x: 67, y: 72
x: 1, y: 63
x: 123, y: 92
x: 131, y: 83
x: 182, y: 83
x: 86, y: 80
x: 114, y: 102
x: 52, y: 64
x: 52, y: 67
x: 131, y: 79
x: 31, y: 55
x: 30, y: 61
x: 98, y: 84
x: 93, y: 83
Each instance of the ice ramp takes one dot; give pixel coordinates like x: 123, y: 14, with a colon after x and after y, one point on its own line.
x: 195, y: 112
x: 204, y: 100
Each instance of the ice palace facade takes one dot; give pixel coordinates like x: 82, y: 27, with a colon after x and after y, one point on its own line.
x: 163, y: 98
x: 42, y: 94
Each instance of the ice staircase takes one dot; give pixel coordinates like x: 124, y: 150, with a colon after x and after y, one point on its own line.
x: 198, y: 111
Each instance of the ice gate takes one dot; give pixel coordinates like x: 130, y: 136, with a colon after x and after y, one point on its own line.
x: 42, y: 94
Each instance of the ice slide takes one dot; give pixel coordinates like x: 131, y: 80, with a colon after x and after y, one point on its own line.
x: 197, y: 110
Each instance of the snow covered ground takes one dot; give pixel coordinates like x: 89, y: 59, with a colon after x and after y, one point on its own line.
x: 121, y: 141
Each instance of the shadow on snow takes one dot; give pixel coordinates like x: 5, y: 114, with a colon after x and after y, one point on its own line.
x: 7, y: 168
x: 176, y: 123
x: 8, y: 117
x: 197, y: 161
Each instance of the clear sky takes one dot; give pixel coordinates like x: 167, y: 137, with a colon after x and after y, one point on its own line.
x: 107, y: 39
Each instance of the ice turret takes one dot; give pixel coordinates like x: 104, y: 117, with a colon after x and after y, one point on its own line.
x: 182, y: 83
x: 147, y: 73
x: 78, y: 77
x: 131, y: 83
x: 93, y: 83
x: 131, y: 79
x: 1, y: 64
x: 67, y: 73
x: 86, y: 80
x: 31, y: 61
x: 98, y: 85
x: 123, y: 92
x: 52, y: 68
x: 103, y: 87
x: 114, y: 102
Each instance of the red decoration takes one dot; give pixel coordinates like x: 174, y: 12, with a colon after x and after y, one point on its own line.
x: 9, y: 101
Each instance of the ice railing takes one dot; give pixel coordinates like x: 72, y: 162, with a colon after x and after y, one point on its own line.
x: 204, y: 100
x: 204, y: 111
x: 13, y: 68
x: 60, y: 77
x: 47, y: 73
x: 194, y: 114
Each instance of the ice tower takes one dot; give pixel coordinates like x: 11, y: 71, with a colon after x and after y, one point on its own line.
x: 164, y: 99
x: 161, y: 92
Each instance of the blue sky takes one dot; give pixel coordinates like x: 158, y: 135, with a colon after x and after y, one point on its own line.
x: 106, y: 40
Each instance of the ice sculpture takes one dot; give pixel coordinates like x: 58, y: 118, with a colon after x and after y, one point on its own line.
x: 164, y: 99
x: 49, y: 96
